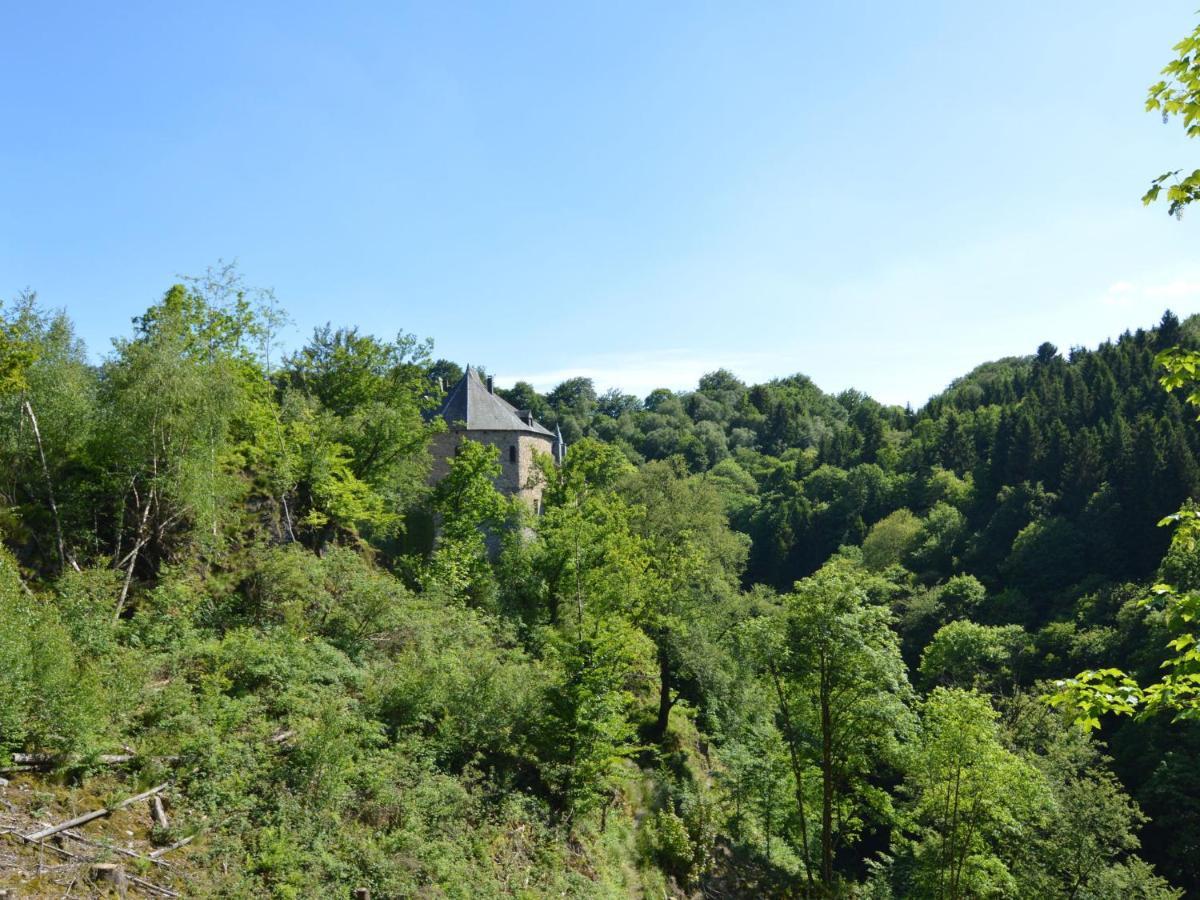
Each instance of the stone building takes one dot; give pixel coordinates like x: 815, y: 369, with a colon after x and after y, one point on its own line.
x: 473, y: 411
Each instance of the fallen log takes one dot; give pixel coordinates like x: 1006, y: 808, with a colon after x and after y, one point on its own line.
x: 96, y: 814
x: 182, y: 842
x: 132, y: 854
x: 22, y: 762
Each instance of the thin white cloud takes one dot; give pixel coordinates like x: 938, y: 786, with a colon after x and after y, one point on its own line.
x: 1129, y: 293
x: 1178, y: 288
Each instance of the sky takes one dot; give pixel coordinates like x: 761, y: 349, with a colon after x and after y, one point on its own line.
x: 878, y: 195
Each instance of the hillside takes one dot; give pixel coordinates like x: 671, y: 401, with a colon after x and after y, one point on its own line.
x: 763, y: 641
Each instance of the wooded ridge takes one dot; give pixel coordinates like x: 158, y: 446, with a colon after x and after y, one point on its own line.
x: 761, y: 640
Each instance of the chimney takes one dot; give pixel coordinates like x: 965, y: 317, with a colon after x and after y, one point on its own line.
x: 491, y: 385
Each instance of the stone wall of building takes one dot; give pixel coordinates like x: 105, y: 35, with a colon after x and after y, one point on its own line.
x: 517, y: 476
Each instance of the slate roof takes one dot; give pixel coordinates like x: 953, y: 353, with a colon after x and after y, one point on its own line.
x: 470, y: 401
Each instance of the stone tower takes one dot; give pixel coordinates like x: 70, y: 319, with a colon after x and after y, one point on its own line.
x: 473, y: 411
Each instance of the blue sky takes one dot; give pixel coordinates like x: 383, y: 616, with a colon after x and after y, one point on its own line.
x: 877, y: 195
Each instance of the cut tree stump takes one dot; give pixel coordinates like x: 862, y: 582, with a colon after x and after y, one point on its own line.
x: 158, y: 813
x: 148, y: 886
x: 109, y: 874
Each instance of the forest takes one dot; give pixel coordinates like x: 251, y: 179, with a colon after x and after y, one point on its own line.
x: 762, y: 640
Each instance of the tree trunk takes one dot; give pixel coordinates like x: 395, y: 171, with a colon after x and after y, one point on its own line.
x: 797, y: 770
x: 665, y: 703
x: 182, y: 842
x: 826, y: 781
x: 768, y: 817
x: 58, y: 531
x: 142, y: 540
x: 951, y: 831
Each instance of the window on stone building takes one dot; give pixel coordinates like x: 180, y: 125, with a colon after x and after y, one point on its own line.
x: 512, y: 453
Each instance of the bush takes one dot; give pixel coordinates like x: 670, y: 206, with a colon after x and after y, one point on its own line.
x: 54, y: 699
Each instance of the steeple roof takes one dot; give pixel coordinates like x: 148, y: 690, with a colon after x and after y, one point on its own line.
x: 470, y: 402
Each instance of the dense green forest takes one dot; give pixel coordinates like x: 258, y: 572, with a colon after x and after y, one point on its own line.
x: 762, y: 641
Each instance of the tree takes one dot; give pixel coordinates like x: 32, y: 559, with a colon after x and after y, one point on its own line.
x: 445, y: 373
x: 1087, y: 842
x: 55, y: 693
x: 1096, y: 692
x: 595, y: 571
x: 890, y: 539
x: 375, y: 392
x: 586, y: 733
x: 47, y: 413
x: 16, y: 354
x: 311, y: 475
x: 937, y: 545
x: 522, y: 396
x: 573, y: 403
x: 468, y: 507
x: 972, y: 800
x: 966, y: 655
x: 614, y: 404
x: 843, y: 700
x: 695, y: 560
x: 1178, y: 95
x: 166, y: 448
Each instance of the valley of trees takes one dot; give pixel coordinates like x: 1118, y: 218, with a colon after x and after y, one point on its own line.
x: 763, y: 641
